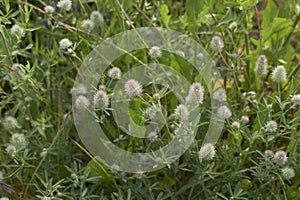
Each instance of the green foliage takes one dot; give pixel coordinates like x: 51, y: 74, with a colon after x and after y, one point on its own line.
x: 37, y: 75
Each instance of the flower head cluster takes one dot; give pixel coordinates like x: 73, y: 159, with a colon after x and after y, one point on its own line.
x: 65, y: 4
x: 4, y: 198
x: 224, y: 112
x: 271, y: 126
x: 287, y: 173
x: 280, y: 157
x: 101, y: 100
x: 65, y: 43
x: 216, y: 44
x: 10, y: 149
x: 82, y: 102
x: 235, y: 125
x: 155, y: 52
x: 78, y: 90
x: 269, y: 153
x: 19, y: 140
x: 151, y: 112
x: 245, y: 119
x: 17, y: 31
x: 261, y: 65
x: 207, y: 152
x: 87, y: 25
x: 279, y: 74
x: 220, y: 95
x: 49, y: 9
x: 296, y: 99
x: 196, y: 93
x: 181, y: 112
x: 114, y: 73
x: 10, y: 123
x: 133, y: 88
x: 97, y: 18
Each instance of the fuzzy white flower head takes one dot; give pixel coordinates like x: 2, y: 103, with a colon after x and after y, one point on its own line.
x: 102, y: 87
x: 216, y: 44
x: 65, y: 43
x: 78, y: 90
x: 65, y: 4
x: 46, y: 198
x: 271, y: 126
x: 200, y: 56
x: 133, y: 88
x: 17, y: 31
x: 196, y: 93
x: 4, y: 198
x: 101, y: 100
x: 82, y: 102
x: 287, y: 173
x: 279, y: 74
x: 261, y: 65
x: 224, y: 112
x: 151, y: 112
x: 235, y: 125
x: 280, y: 157
x: 181, y: 112
x: 245, y: 119
x: 114, y: 73
x: 207, y: 152
x: 49, y: 9
x: 10, y: 149
x: 296, y: 99
x: 97, y: 18
x: 87, y: 25
x: 155, y: 52
x: 10, y: 123
x: 269, y: 153
x: 220, y: 95
x: 19, y: 140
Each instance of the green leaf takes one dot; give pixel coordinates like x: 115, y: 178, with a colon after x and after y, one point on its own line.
x: 193, y: 8
x: 96, y: 169
x: 279, y: 28
x: 164, y: 15
x: 269, y: 15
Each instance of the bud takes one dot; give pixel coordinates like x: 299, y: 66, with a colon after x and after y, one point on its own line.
x: 261, y: 65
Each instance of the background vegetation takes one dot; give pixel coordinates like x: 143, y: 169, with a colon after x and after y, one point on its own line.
x: 37, y: 75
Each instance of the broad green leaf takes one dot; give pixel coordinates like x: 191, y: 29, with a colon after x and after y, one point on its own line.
x: 193, y: 8
x: 269, y: 14
x: 164, y: 15
x: 279, y: 28
x: 95, y: 168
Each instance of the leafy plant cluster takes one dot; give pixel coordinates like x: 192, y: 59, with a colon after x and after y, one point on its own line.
x: 254, y: 45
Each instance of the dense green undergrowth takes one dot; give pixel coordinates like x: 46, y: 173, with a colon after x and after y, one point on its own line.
x: 42, y: 47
